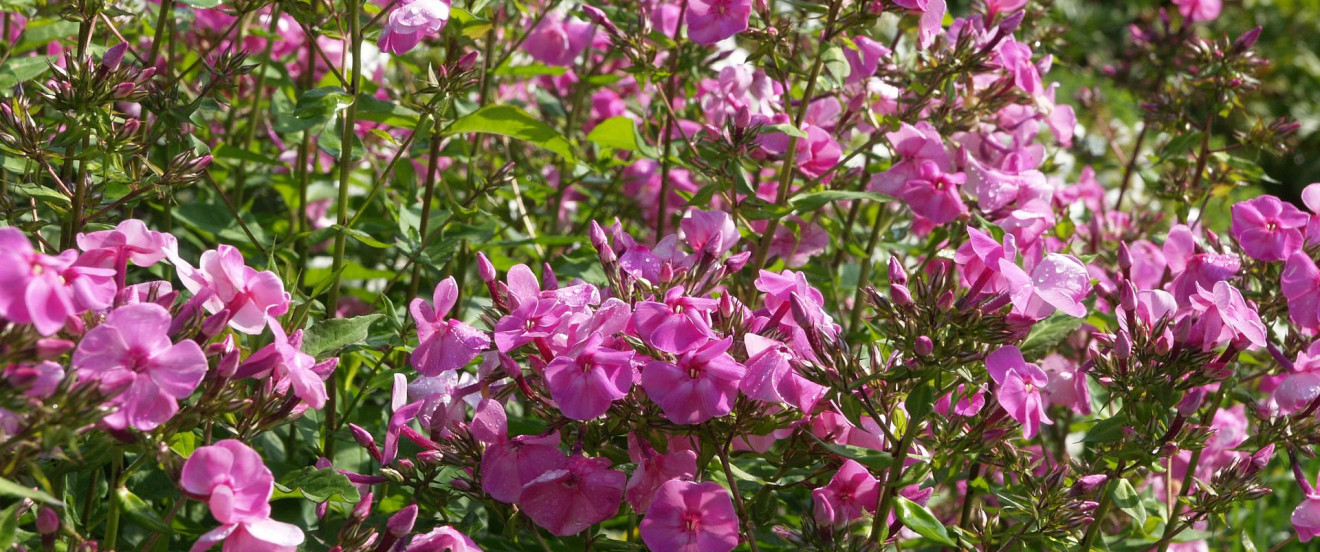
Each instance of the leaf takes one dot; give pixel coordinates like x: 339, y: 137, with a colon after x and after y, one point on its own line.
x: 386, y: 113
x: 9, y: 488
x: 316, y: 485
x: 1127, y: 499
x: 620, y: 133
x: 807, y: 202
x: 921, y: 521
x: 1107, y: 430
x: 315, y: 107
x: 506, y: 120
x: 329, y: 336
x: 1049, y: 332
x: 784, y: 128
x: 22, y: 69
x: 872, y: 459
x: 920, y: 401
x: 141, y: 512
x: 9, y: 526
x: 836, y: 64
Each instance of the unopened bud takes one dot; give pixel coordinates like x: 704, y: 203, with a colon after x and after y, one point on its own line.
x: 726, y: 305
x: 743, y: 117
x: 946, y: 301
x: 1258, y: 461
x: 1124, y: 256
x: 485, y: 269
x: 215, y: 324
x: 736, y: 263
x: 897, y: 274
x: 363, y: 508
x: 1247, y: 40
x: 401, y: 523
x: 1087, y: 484
x: 598, y: 238
x: 48, y: 522
x: 899, y: 294
x: 1123, y: 344
x: 1127, y: 296
x: 1191, y: 403
x: 548, y: 279
x: 50, y: 347
x: 924, y: 346
x: 123, y: 90
x: 112, y: 58
x: 365, y: 440
x: 467, y: 62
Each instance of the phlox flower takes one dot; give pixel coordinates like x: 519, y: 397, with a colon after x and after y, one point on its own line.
x: 130, y: 241
x: 410, y: 22
x: 1056, y: 282
x: 131, y: 354
x: 290, y: 366
x: 702, y: 385
x: 224, y: 281
x: 231, y: 478
x: 557, y: 40
x: 709, y: 231
x: 442, y: 539
x: 589, y: 377
x: 509, y: 464
x: 1200, y: 10
x: 653, y: 470
x: 710, y: 21
x: 1300, y: 284
x: 678, y: 325
x: 687, y: 516
x: 1268, y: 229
x: 851, y: 491
x: 443, y: 344
x: 266, y: 535
x: 1224, y: 318
x: 45, y: 290
x: 771, y: 378
x: 567, y: 500
x: 1020, y: 388
x: 1193, y: 268
x: 979, y: 258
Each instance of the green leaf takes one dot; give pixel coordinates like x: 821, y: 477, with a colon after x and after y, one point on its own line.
x: 139, y: 511
x: 836, y: 64
x: 784, y: 128
x: 316, y: 485
x: 9, y: 526
x: 920, y: 401
x: 620, y: 133
x: 1048, y: 333
x: 22, y: 69
x: 329, y: 336
x: 1127, y: 499
x: 921, y: 521
x: 1107, y: 430
x: 9, y: 488
x: 506, y: 120
x: 872, y: 459
x: 815, y: 200
x: 386, y: 113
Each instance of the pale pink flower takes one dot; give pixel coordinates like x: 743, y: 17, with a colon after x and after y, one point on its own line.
x: 702, y: 385
x: 850, y: 492
x: 1306, y: 518
x: 231, y: 478
x: 1200, y: 10
x: 771, y: 378
x: 45, y: 290
x: 410, y: 22
x: 687, y: 516
x: 1268, y: 229
x: 290, y: 366
x: 1020, y: 388
x: 567, y: 500
x: 1300, y: 284
x: 588, y: 378
x: 1056, y: 282
x: 442, y: 539
x: 224, y: 281
x: 710, y: 21
x: 444, y: 344
x: 131, y: 241
x: 653, y: 470
x: 509, y: 464
x: 709, y: 231
x: 1225, y: 317
x: 130, y: 355
x: 558, y: 40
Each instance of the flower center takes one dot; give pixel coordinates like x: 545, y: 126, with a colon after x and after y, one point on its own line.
x: 691, y: 521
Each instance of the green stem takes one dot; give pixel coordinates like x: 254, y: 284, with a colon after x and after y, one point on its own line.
x: 880, y: 525
x: 1106, y: 501
x: 112, y: 517
x: 428, y: 195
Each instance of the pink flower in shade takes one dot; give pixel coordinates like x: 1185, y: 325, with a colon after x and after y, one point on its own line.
x: 935, y: 194
x: 703, y: 385
x: 779, y: 290
x: 266, y: 535
x: 131, y: 241
x: 771, y: 378
x: 1020, y: 388
x: 851, y: 491
x: 979, y: 259
x: 442, y: 539
x: 653, y: 470
x: 1306, y: 518
x: 1193, y: 268
x: 509, y: 464
x: 931, y: 24
x: 1067, y: 385
x: 1148, y: 264
x: 678, y: 325
x: 410, y: 22
x: 558, y: 41
x: 291, y: 367
x: 1056, y: 282
x: 224, y: 281
x: 1015, y: 59
x: 588, y: 378
x: 45, y: 290
x: 444, y: 344
x: 914, y: 144
x: 687, y: 516
x: 711, y: 231
x: 232, y: 479
x: 1301, y: 285
x: 864, y: 57
x: 130, y: 354
x: 1311, y: 198
x: 710, y: 21
x: 1268, y: 229
x: 1224, y: 318
x: 567, y: 500
x: 1200, y: 10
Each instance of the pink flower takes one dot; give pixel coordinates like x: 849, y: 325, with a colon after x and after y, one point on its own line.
x: 1067, y: 385
x: 979, y: 259
x: 558, y: 41
x: 678, y: 325
x: 851, y: 491
x: 444, y: 344
x: 1306, y: 518
x: 1194, y: 268
x: 771, y: 378
x: 45, y: 290
x: 224, y: 281
x: 1268, y: 229
x: 232, y: 479
x: 290, y: 366
x: 1200, y: 10
x: 1226, y: 318
x: 263, y: 534
x: 1301, y: 285
x: 710, y: 21
x: 703, y: 385
x: 131, y: 354
x: 588, y: 378
x: 410, y: 22
x: 993, y: 7
x: 711, y: 231
x: 687, y: 516
x: 509, y: 464
x: 1020, y: 387
x: 442, y: 539
x: 1056, y: 282
x: 864, y: 58
x: 132, y: 241
x: 567, y: 500
x: 934, y: 194
x: 653, y: 470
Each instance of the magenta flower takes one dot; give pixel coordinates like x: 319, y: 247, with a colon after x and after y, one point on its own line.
x: 934, y: 194
x: 711, y: 231
x: 771, y: 378
x: 1200, y: 10
x: 1226, y: 318
x: 1306, y: 518
x: 224, y: 281
x: 410, y: 22
x: 130, y: 354
x: 1067, y: 385
x: 232, y: 479
x: 444, y: 344
x: 1020, y: 388
x: 678, y: 325
x: 1194, y: 268
x: 710, y: 21
x: 509, y: 464
x: 864, y: 58
x: 851, y: 491
x: 589, y: 377
x: 979, y: 258
x: 266, y: 535
x: 567, y: 500
x: 131, y: 241
x: 45, y: 290
x: 558, y: 41
x: 442, y: 539
x: 653, y: 470
x: 1301, y: 285
x: 703, y: 385
x: 687, y: 516
x: 1056, y: 282
x: 1269, y: 229
x: 290, y: 366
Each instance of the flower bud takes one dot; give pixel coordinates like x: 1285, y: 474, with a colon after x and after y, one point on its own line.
x: 1087, y: 484
x: 548, y: 278
x: 467, y: 62
x: 597, y: 235
x: 1124, y: 257
x: 1127, y: 296
x: 1247, y: 40
x: 924, y: 346
x: 365, y: 440
x: 123, y: 90
x: 485, y: 269
x: 1191, y: 403
x: 743, y: 117
x: 736, y: 263
x: 215, y: 324
x: 598, y: 17
x: 899, y: 294
x: 431, y: 457
x: 363, y: 508
x: 1123, y: 344
x: 946, y: 300
x: 50, y: 347
x: 897, y: 275
x: 48, y: 522
x: 401, y: 523
x: 1258, y: 461
x: 726, y: 305
x: 114, y: 56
